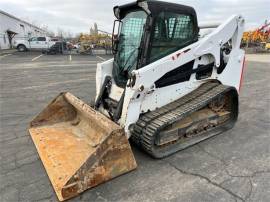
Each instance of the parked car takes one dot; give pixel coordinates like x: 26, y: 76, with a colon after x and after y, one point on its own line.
x: 58, y: 47
x: 34, y: 43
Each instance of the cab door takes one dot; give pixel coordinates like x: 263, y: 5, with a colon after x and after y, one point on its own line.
x: 33, y: 43
x: 41, y: 43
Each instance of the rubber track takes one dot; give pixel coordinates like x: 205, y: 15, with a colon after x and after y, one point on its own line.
x: 149, y: 124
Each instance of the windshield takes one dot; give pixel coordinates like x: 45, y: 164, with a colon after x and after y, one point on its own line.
x: 130, y: 35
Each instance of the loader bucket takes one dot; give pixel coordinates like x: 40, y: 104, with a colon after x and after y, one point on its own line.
x: 79, y: 147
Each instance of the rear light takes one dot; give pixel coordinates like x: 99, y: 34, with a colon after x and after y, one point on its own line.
x: 242, y: 71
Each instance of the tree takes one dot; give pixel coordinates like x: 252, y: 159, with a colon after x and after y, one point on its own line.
x: 49, y: 32
x: 94, y: 30
x: 60, y: 32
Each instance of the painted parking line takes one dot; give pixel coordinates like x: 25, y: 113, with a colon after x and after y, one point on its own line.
x: 70, y: 58
x: 35, y: 58
x: 101, y: 58
x: 3, y: 56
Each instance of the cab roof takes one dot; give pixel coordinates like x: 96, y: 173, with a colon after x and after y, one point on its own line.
x: 153, y: 8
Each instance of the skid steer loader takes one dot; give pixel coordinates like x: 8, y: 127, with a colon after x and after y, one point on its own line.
x: 166, y: 88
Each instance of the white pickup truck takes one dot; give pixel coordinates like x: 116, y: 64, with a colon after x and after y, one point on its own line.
x: 34, y: 43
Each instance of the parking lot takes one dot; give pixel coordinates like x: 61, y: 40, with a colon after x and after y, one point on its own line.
x: 234, y: 166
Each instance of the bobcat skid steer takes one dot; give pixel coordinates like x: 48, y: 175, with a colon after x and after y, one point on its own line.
x: 166, y: 88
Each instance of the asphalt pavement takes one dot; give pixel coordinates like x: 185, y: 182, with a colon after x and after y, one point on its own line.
x: 234, y: 166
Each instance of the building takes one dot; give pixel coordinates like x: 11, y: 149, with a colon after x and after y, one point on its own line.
x: 12, y: 28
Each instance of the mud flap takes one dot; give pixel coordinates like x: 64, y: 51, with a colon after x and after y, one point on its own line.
x: 79, y: 147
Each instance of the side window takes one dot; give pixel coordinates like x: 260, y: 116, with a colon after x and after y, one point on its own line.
x: 41, y: 38
x: 172, y: 32
x: 33, y: 39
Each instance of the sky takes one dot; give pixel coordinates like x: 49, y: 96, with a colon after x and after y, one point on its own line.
x: 76, y: 16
